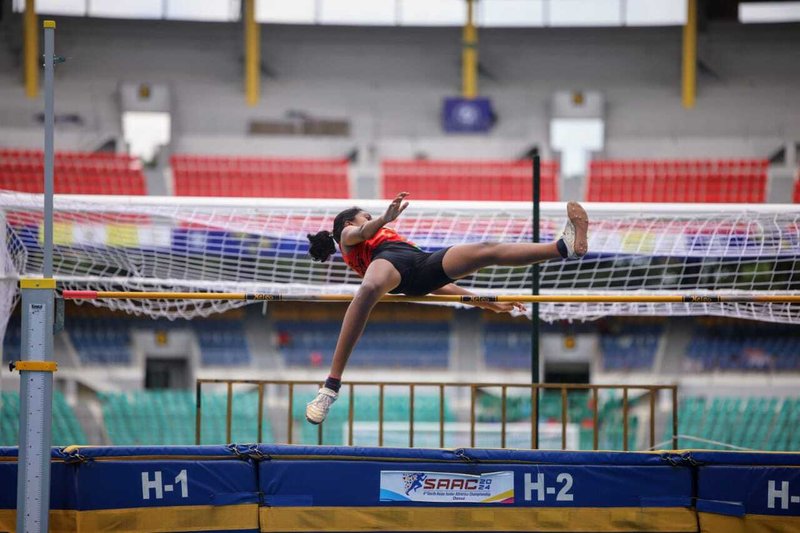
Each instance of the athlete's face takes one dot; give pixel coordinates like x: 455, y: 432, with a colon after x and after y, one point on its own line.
x: 360, y: 219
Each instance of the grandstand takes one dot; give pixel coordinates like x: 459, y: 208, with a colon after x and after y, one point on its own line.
x: 75, y: 172
x: 710, y: 181
x: 242, y: 176
x: 692, y: 183
x: 648, y: 168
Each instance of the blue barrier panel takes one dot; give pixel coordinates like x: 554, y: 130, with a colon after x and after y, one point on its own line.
x: 358, y: 489
x: 62, y: 491
x: 747, y: 492
x: 163, y: 488
x: 327, y: 488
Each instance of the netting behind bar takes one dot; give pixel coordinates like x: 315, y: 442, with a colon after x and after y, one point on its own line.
x: 179, y: 244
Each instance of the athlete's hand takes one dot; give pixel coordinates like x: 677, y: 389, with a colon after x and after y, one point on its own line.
x: 506, y: 307
x: 396, y: 207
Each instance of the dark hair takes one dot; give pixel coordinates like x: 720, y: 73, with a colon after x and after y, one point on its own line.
x: 322, y: 243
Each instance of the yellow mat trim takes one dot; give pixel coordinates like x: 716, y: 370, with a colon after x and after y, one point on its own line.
x: 147, y: 519
x: 752, y: 523
x: 597, y: 519
x: 73, y: 448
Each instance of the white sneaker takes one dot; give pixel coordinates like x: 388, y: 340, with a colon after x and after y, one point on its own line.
x: 576, y: 230
x: 317, y: 409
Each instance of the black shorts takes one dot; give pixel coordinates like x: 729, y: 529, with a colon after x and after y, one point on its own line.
x: 420, y: 272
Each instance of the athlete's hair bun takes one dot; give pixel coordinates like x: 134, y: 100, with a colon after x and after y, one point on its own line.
x: 322, y: 245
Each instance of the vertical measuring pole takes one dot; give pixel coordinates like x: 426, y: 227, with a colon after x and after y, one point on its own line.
x: 36, y: 368
x: 535, y: 359
x: 49, y: 61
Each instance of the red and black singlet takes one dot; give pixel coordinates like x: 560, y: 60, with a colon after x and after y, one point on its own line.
x: 360, y: 256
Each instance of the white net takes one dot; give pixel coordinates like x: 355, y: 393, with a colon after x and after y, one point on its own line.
x: 244, y: 245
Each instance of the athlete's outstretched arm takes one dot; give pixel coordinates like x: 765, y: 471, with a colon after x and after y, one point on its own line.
x: 352, y: 235
x: 497, y: 307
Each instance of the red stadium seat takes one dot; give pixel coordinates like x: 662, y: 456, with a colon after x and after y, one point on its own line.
x: 467, y: 180
x: 74, y: 172
x: 707, y: 180
x: 260, y: 177
x: 796, y: 198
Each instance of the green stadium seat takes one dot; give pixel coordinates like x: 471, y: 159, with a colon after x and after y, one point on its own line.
x: 757, y: 423
x: 366, y: 409
x: 168, y: 417
x: 66, y: 429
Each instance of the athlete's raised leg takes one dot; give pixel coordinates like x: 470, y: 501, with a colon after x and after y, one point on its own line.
x: 465, y: 259
x: 381, y: 277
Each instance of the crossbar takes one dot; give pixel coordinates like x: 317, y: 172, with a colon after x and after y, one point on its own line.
x: 703, y: 298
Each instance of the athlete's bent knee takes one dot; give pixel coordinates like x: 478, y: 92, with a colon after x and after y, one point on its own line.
x: 370, y: 290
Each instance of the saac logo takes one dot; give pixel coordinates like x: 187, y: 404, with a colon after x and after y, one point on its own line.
x: 413, y: 481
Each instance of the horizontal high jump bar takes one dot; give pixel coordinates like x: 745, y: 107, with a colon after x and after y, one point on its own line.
x: 452, y: 298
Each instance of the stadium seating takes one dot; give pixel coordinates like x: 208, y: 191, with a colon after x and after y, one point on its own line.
x: 610, y: 430
x: 507, y: 345
x: 519, y: 407
x: 630, y: 347
x: 397, y: 344
x: 507, y: 342
x: 762, y: 423
x: 66, y: 429
x: 103, y: 341
x: 711, y: 181
x: 222, y: 343
x: 365, y: 409
x: 743, y: 346
x: 168, y: 417
x: 468, y: 180
x: 258, y: 177
x: 12, y: 340
x: 74, y: 172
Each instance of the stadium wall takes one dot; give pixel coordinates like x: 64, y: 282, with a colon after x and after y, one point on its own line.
x: 295, y: 488
x: 390, y: 83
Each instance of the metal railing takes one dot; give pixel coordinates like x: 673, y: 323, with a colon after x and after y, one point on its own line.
x: 650, y: 392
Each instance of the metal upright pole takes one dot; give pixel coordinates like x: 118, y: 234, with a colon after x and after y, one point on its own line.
x: 49, y: 60
x: 36, y: 367
x: 535, y: 360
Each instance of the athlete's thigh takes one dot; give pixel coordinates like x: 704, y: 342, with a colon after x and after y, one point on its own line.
x: 382, y: 275
x: 462, y: 260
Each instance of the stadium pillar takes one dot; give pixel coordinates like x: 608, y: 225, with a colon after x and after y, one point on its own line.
x: 689, y: 81
x: 31, y: 50
x: 252, y: 56
x: 469, y: 55
x: 37, y: 366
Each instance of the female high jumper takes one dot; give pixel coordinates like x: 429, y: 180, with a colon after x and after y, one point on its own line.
x: 388, y: 263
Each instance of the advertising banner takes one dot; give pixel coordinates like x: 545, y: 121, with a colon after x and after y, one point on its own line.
x: 445, y: 487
